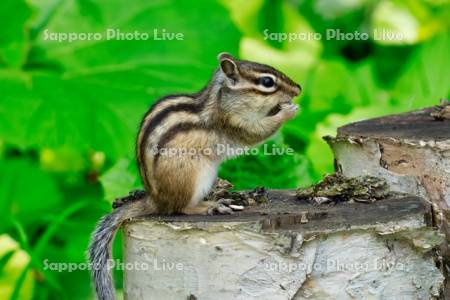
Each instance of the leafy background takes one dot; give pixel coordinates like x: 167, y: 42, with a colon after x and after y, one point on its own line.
x: 69, y: 111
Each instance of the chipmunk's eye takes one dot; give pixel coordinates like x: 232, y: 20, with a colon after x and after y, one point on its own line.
x: 266, y: 81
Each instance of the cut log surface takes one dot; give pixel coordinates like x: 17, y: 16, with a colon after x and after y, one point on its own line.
x: 418, y: 126
x: 286, y: 249
x: 285, y: 212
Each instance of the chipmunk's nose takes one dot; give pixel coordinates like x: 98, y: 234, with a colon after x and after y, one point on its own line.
x: 297, y: 90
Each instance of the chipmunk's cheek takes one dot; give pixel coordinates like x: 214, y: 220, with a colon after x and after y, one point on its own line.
x: 268, y: 106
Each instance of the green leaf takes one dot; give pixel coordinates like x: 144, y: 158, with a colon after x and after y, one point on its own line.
x: 425, y: 80
x: 109, y: 57
x: 16, y: 278
x: 120, y: 179
x: 271, y: 17
x: 14, y: 44
x: 267, y: 166
x: 17, y: 105
x: 5, y: 258
x: 337, y: 86
x: 25, y: 191
x: 328, y: 84
x: 16, y: 294
x: 95, y: 100
x: 395, y: 18
x: 55, y: 225
x: 34, y: 261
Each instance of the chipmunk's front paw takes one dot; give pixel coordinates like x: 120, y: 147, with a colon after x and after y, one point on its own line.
x: 288, y: 111
x: 219, y: 209
x: 224, y: 207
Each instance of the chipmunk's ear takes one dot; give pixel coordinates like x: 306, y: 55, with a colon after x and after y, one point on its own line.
x: 228, y: 65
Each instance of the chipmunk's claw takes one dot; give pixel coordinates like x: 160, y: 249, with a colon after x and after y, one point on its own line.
x: 219, y: 209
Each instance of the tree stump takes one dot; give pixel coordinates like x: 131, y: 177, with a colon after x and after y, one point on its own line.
x: 286, y: 248
x: 411, y: 151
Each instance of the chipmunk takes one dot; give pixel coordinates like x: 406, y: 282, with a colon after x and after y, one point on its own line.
x: 243, y: 104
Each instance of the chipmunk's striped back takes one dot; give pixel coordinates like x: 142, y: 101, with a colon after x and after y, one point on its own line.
x: 162, y: 117
x: 167, y: 119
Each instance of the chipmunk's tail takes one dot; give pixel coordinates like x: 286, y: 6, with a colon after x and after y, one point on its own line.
x: 100, y: 248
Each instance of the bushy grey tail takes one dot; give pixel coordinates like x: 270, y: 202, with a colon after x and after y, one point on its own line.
x: 100, y: 248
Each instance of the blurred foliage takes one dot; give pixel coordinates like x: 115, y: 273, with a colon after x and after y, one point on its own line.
x: 69, y: 111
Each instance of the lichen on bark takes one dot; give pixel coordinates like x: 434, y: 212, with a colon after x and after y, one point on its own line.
x: 336, y: 187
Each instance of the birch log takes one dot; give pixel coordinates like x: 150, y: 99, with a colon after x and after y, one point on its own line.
x: 286, y: 249
x: 412, y: 152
